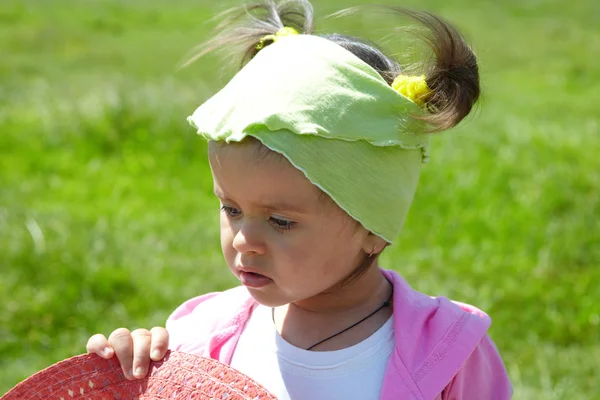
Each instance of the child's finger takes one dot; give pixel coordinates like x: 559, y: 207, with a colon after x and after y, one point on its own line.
x: 141, y: 352
x: 122, y: 343
x: 98, y: 344
x: 160, y: 343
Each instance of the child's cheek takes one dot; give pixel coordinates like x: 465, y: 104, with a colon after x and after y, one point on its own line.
x: 227, y: 236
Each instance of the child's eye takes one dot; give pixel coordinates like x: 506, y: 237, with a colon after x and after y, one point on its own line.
x: 281, y: 224
x: 231, y: 211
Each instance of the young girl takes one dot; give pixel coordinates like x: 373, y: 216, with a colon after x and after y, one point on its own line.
x: 315, y: 147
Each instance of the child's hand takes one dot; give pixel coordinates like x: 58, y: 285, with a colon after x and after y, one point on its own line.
x: 133, y: 349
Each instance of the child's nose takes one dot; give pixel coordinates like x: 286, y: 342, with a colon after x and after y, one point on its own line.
x: 249, y: 239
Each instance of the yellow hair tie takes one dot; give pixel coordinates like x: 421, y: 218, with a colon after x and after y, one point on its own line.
x: 412, y: 87
x: 285, y: 31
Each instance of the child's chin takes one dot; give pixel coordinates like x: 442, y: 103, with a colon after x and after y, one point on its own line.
x: 264, y: 298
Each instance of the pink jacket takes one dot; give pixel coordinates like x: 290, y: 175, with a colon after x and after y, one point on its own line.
x: 442, y: 349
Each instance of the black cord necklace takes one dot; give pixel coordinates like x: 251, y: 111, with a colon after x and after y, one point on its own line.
x: 387, y: 303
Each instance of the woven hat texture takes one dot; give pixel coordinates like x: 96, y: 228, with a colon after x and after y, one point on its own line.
x: 177, y: 376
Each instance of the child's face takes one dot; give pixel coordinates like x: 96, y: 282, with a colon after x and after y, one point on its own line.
x: 276, y: 223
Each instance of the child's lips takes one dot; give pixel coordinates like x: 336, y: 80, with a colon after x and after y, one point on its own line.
x: 251, y: 270
x: 253, y: 279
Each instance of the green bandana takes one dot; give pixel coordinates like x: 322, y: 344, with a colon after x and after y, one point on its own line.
x: 334, y: 118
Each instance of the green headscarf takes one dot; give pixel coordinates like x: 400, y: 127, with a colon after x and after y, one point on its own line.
x: 334, y: 118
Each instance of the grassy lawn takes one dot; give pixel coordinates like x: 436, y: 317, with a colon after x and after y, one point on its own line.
x: 107, y: 217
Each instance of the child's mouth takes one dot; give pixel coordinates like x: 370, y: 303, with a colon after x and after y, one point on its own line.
x: 254, y: 280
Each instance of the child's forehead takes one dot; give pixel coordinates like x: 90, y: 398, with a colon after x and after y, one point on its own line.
x: 249, y: 154
x: 265, y: 178
x: 250, y: 148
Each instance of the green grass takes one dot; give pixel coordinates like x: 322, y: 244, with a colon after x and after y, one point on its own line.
x: 107, y: 218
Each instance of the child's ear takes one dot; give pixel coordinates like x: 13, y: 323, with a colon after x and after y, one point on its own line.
x: 374, y: 244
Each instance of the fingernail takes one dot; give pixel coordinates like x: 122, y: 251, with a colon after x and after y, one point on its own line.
x: 155, y: 355
x: 139, y: 372
x: 106, y: 352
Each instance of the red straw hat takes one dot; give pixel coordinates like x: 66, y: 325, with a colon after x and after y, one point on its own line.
x: 177, y: 376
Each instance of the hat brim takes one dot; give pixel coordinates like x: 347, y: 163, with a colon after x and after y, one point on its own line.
x: 177, y: 376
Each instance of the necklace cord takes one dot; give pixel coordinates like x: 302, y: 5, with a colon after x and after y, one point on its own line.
x: 387, y: 303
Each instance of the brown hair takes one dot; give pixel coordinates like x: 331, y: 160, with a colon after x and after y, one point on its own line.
x: 452, y: 73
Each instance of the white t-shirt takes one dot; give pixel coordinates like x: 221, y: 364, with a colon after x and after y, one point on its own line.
x: 291, y: 373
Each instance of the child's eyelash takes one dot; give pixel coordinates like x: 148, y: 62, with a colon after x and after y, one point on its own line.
x: 230, y: 211
x: 279, y: 224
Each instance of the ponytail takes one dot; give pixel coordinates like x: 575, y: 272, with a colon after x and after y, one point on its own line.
x: 452, y: 77
x: 242, y: 29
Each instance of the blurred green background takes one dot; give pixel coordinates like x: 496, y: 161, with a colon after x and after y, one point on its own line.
x: 107, y: 217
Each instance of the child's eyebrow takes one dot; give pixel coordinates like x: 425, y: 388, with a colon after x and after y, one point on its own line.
x: 282, y: 206
x: 271, y: 206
